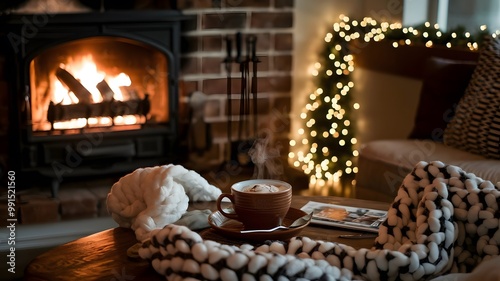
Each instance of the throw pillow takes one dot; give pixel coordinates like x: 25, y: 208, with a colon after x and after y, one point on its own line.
x: 444, y: 83
x: 476, y: 124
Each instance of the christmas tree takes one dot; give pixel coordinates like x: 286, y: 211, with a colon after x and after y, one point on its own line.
x: 329, y: 134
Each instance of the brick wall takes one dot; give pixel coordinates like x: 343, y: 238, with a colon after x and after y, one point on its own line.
x: 204, y: 50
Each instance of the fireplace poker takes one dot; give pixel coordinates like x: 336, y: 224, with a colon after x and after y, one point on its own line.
x: 241, y: 61
x: 247, y: 85
x: 228, y: 63
x: 252, y: 42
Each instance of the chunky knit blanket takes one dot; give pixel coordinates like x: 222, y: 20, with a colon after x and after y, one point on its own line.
x: 443, y: 220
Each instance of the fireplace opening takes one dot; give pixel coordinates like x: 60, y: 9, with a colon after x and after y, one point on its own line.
x: 105, y: 82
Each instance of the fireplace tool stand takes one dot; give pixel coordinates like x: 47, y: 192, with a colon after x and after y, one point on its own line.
x: 237, y: 151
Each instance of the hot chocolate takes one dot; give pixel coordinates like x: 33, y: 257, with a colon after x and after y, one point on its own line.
x: 257, y: 203
x: 260, y: 187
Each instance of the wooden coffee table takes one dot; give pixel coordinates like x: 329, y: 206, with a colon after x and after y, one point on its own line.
x: 103, y: 256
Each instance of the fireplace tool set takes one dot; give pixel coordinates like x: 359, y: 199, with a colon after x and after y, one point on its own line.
x: 247, y: 113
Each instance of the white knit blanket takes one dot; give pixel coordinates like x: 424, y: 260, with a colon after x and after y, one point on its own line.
x: 443, y: 220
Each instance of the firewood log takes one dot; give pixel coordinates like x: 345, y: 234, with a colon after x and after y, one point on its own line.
x: 105, y: 90
x: 83, y: 95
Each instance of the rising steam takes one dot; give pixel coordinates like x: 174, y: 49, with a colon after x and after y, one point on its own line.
x: 266, y: 159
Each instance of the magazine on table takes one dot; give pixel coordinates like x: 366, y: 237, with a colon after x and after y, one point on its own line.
x: 345, y: 216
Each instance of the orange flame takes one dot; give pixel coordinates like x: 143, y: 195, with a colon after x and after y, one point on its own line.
x: 85, y: 70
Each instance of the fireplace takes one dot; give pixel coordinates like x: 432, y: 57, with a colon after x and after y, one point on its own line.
x: 93, y: 83
x: 91, y: 93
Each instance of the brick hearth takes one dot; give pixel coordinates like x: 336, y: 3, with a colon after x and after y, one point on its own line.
x: 76, y: 200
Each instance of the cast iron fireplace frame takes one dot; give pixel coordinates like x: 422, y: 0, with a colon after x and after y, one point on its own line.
x: 31, y: 154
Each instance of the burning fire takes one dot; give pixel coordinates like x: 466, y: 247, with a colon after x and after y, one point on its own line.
x: 85, y: 71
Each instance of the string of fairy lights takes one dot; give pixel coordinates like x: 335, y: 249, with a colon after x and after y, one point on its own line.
x: 327, y: 148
